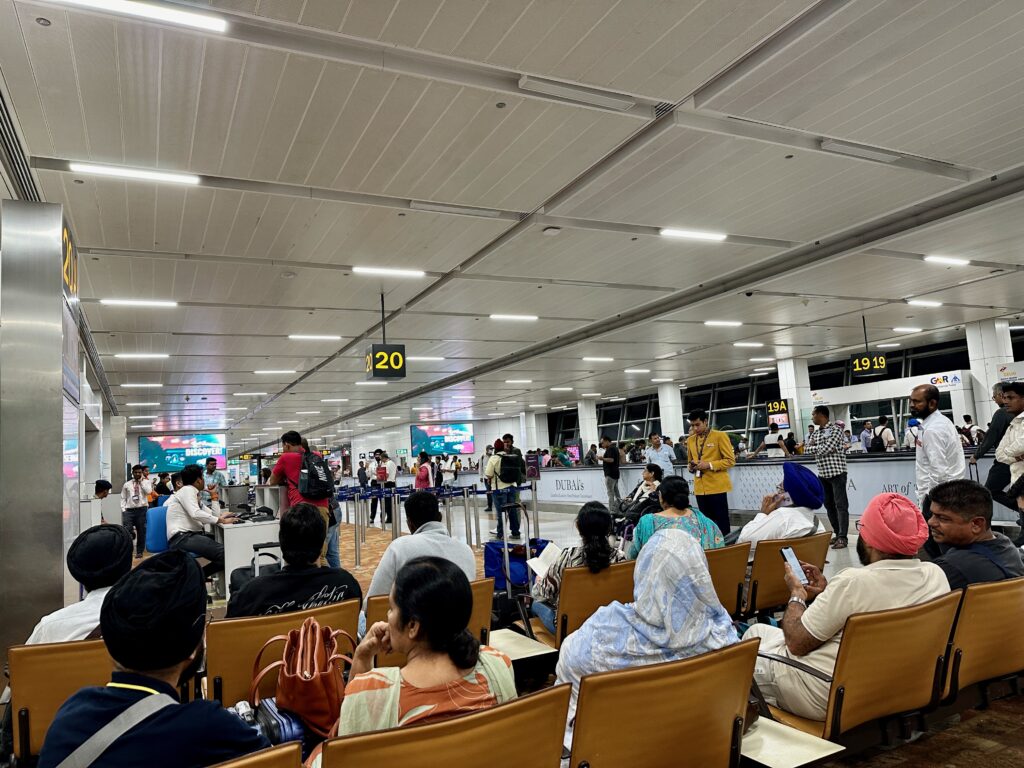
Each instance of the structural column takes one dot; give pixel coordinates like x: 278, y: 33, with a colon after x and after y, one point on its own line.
x: 534, y: 429
x: 670, y: 406
x: 988, y: 347
x: 795, y: 386
x: 587, y: 412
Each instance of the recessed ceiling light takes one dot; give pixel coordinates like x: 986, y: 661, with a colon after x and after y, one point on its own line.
x: 950, y: 260
x: 637, y: 370
x: 495, y: 414
x: 150, y: 417
x: 506, y: 402
x: 616, y: 399
x: 141, y: 405
x: 142, y: 355
x: 538, y: 405
x: 306, y: 413
x: 312, y: 337
x: 767, y: 370
x: 723, y: 323
x: 365, y: 425
x: 137, y: 303
x: 287, y: 422
x: 762, y: 359
x: 257, y: 434
x: 391, y: 418
x: 424, y: 359
x: 551, y: 231
x: 923, y: 303
x: 660, y: 381
x: 334, y: 400
x: 239, y: 408
x: 757, y: 374
x: 344, y: 431
x: 886, y: 346
x: 599, y: 359
x: 143, y: 426
x: 133, y: 173
x: 751, y: 344
x: 389, y: 272
x: 514, y: 317
x: 157, y: 12
x: 902, y: 329
x: 370, y: 383
x: 519, y: 381
x: 140, y: 385
x: 248, y: 394
x: 273, y: 372
x: 561, y: 389
x: 693, y: 234
x: 590, y: 394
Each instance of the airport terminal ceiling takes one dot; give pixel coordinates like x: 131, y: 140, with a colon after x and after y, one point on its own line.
x: 524, y: 157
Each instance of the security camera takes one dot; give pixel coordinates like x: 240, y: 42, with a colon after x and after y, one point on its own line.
x: 187, y: 398
x: 748, y: 294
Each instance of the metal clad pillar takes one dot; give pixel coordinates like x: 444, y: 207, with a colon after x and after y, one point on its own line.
x: 32, y: 531
x: 988, y: 346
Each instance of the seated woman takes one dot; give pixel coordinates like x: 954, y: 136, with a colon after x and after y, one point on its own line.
x: 676, y: 512
x: 594, y: 523
x: 651, y: 479
x: 447, y: 672
x: 675, y: 614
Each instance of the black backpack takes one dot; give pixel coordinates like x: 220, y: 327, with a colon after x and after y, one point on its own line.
x: 877, y: 444
x: 510, y: 469
x: 315, y: 481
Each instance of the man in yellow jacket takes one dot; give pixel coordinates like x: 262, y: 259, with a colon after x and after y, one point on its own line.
x: 710, y: 456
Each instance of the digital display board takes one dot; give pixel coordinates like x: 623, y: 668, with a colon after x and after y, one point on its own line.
x: 864, y: 365
x: 172, y: 453
x: 436, y: 439
x: 778, y: 413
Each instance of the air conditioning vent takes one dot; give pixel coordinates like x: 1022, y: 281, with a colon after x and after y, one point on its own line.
x: 663, y: 108
x: 13, y: 159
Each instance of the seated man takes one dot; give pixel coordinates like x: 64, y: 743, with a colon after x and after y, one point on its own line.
x: 789, y: 512
x: 185, y: 519
x: 302, y: 583
x: 961, y: 524
x: 153, y: 622
x: 892, y: 530
x: 96, y: 559
x: 429, y: 538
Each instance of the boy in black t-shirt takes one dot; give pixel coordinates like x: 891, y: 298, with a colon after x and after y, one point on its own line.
x: 302, y: 583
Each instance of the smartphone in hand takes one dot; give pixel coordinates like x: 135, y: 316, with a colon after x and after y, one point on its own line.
x: 790, y: 557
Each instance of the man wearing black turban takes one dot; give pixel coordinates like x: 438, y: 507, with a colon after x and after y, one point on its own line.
x: 153, y: 622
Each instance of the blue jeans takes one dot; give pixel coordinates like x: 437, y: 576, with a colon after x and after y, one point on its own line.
x: 545, y: 613
x: 333, y: 546
x: 503, y: 497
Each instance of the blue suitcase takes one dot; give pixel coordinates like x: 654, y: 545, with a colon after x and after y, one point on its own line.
x: 278, y: 725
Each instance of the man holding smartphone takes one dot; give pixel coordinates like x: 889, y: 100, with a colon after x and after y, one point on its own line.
x: 710, y: 457
x: 892, y: 531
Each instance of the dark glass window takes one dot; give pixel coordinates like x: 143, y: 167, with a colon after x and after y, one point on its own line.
x: 733, y: 397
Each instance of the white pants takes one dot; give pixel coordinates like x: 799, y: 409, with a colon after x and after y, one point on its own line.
x: 785, y: 686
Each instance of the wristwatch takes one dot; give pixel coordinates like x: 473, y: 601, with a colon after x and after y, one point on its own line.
x: 800, y: 600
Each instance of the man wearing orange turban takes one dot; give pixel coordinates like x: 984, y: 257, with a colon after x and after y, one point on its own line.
x: 891, y: 531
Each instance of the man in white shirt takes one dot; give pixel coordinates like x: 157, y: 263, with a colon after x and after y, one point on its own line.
x: 659, y: 453
x: 186, y: 518
x: 940, y: 454
x: 892, y: 531
x: 97, y: 559
x: 789, y: 512
x: 134, y: 506
x: 1011, y: 447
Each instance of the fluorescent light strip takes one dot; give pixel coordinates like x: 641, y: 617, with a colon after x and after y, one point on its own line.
x: 637, y: 370
x: 463, y: 397
x: 140, y: 417
x: 693, y: 234
x: 306, y: 413
x: 142, y: 356
x: 514, y: 317
x: 391, y: 418
x: 312, y: 337
x: 154, y: 11
x: 886, y: 346
x: 949, y: 260
x: 590, y: 394
x: 902, y: 329
x: 723, y: 323
x: 142, y: 405
x: 239, y: 408
x: 762, y: 359
x: 538, y: 405
x: 519, y: 381
x: 495, y: 414
x: 140, y: 385
x: 752, y: 375
x: 273, y: 372
x: 599, y: 359
x: 370, y: 383
x: 287, y: 422
x: 660, y: 381
x: 334, y: 400
x: 751, y: 344
x: 766, y: 370
x: 137, y: 174
x: 389, y: 272
x: 249, y: 394
x: 561, y: 389
x: 137, y: 303
x: 923, y: 303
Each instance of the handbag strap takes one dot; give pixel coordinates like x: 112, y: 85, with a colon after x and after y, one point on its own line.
x: 259, y: 656
x: 90, y: 750
x: 254, y: 689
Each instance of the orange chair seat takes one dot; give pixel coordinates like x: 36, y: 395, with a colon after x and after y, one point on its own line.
x: 540, y: 632
x: 813, y: 727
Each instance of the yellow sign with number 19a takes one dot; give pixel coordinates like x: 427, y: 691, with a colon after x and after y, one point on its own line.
x: 385, y: 361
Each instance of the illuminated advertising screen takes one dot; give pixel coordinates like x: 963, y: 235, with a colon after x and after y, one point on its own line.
x: 436, y: 439
x: 172, y: 453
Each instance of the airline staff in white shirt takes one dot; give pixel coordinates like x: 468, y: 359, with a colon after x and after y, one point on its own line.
x: 186, y: 518
x: 940, y: 454
x: 134, y: 506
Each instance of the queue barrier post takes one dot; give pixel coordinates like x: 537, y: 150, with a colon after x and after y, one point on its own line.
x: 533, y: 507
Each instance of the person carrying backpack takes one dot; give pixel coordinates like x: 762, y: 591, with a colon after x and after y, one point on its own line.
x: 307, y: 477
x: 506, y: 470
x: 882, y: 438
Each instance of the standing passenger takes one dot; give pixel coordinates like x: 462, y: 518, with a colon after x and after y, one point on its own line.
x: 134, y: 505
x: 711, y: 455
x: 827, y: 446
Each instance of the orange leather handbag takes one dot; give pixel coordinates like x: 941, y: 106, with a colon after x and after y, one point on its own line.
x: 309, y: 674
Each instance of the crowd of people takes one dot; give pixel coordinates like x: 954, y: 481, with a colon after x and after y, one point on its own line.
x: 152, y: 614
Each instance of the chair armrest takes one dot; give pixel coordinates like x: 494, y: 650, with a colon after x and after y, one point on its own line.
x: 797, y: 665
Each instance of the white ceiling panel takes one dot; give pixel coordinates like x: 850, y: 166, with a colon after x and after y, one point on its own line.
x: 938, y: 79
x: 693, y: 180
